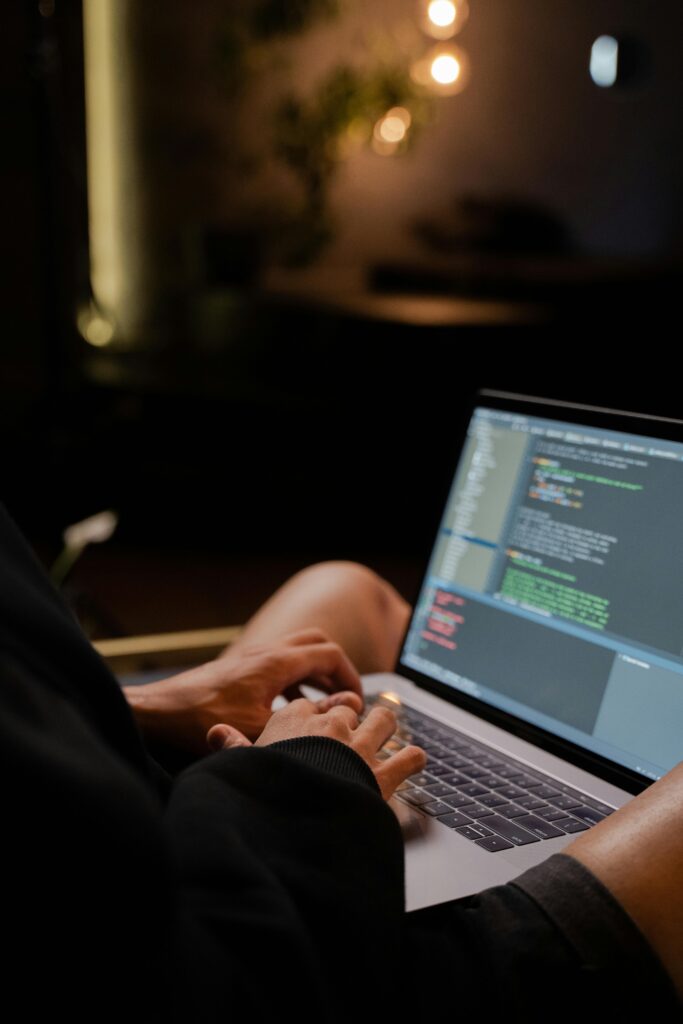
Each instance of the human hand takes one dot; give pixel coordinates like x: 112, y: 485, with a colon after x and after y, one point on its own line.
x: 337, y: 718
x: 239, y: 689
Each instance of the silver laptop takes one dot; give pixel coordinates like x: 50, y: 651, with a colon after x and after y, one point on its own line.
x: 542, y: 668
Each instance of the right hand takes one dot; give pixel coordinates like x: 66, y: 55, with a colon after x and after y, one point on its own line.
x: 336, y: 718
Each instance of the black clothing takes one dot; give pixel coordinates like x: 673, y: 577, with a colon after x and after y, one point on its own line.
x: 259, y: 880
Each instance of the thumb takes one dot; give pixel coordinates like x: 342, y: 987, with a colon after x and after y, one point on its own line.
x: 223, y: 737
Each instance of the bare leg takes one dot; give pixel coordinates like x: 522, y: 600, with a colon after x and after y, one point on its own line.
x: 638, y: 854
x: 354, y: 606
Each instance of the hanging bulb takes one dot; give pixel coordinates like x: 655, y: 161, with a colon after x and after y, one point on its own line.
x: 444, y: 70
x: 441, y: 19
x: 390, y: 130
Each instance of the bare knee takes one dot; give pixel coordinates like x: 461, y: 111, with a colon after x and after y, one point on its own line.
x: 347, y: 601
x: 378, y: 609
x: 348, y: 576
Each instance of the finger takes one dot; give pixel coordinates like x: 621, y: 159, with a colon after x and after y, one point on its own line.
x: 326, y: 661
x: 294, y: 692
x: 222, y: 737
x: 397, y: 768
x: 311, y: 635
x: 379, y: 726
x: 343, y: 713
x: 351, y: 700
x: 327, y: 685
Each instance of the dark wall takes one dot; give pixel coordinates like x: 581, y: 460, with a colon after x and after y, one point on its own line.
x: 307, y: 428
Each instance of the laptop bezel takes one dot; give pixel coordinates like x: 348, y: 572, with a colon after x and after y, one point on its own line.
x: 570, y: 412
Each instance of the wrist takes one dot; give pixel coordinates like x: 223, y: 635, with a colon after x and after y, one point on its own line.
x: 164, y: 715
x: 329, y: 755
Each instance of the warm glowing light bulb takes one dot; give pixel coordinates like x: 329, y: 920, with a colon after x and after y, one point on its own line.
x: 441, y: 12
x: 443, y: 18
x: 392, y: 129
x: 445, y: 69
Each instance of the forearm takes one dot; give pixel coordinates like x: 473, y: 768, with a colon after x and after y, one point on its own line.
x: 166, y: 713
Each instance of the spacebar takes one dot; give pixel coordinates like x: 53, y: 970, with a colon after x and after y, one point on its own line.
x: 509, y: 830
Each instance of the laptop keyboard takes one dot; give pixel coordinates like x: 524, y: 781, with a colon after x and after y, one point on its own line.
x: 485, y: 796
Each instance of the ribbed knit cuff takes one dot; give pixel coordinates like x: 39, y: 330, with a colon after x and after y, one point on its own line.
x: 330, y: 756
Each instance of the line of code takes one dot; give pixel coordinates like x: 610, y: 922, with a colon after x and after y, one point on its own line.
x: 444, y: 618
x: 555, y: 598
x: 538, y: 532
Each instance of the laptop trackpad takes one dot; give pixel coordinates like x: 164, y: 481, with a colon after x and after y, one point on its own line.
x: 441, y: 865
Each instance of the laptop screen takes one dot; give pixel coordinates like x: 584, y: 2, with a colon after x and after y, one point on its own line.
x: 554, y: 591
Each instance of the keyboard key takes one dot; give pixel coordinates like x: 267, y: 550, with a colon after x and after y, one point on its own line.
x: 531, y: 802
x: 603, y: 808
x: 565, y: 802
x: 552, y: 814
x: 456, y: 762
x: 510, y: 830
x: 486, y: 761
x: 475, y: 811
x: 509, y: 772
x: 542, y: 829
x: 417, y: 797
x: 481, y: 757
x: 492, y: 782
x: 528, y: 781
x: 456, y: 820
x: 570, y: 791
x: 432, y: 730
x: 455, y: 780
x: 423, y: 779
x: 436, y: 808
x: 546, y: 792
x: 511, y: 792
x: 438, y: 789
x: 492, y: 800
x: 511, y: 811
x: 433, y: 749
x: 494, y: 844
x: 464, y: 749
x: 473, y: 771
x: 460, y: 800
x: 472, y: 789
x: 587, y: 814
x: 438, y: 770
x: 468, y: 833
x: 570, y: 825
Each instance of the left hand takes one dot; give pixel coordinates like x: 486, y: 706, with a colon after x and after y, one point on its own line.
x: 239, y: 689
x: 336, y: 718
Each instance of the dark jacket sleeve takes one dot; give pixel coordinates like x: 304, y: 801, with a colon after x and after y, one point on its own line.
x: 261, y: 883
x: 255, y: 879
x: 288, y: 865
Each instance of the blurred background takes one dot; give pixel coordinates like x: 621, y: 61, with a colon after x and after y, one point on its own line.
x: 258, y: 255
